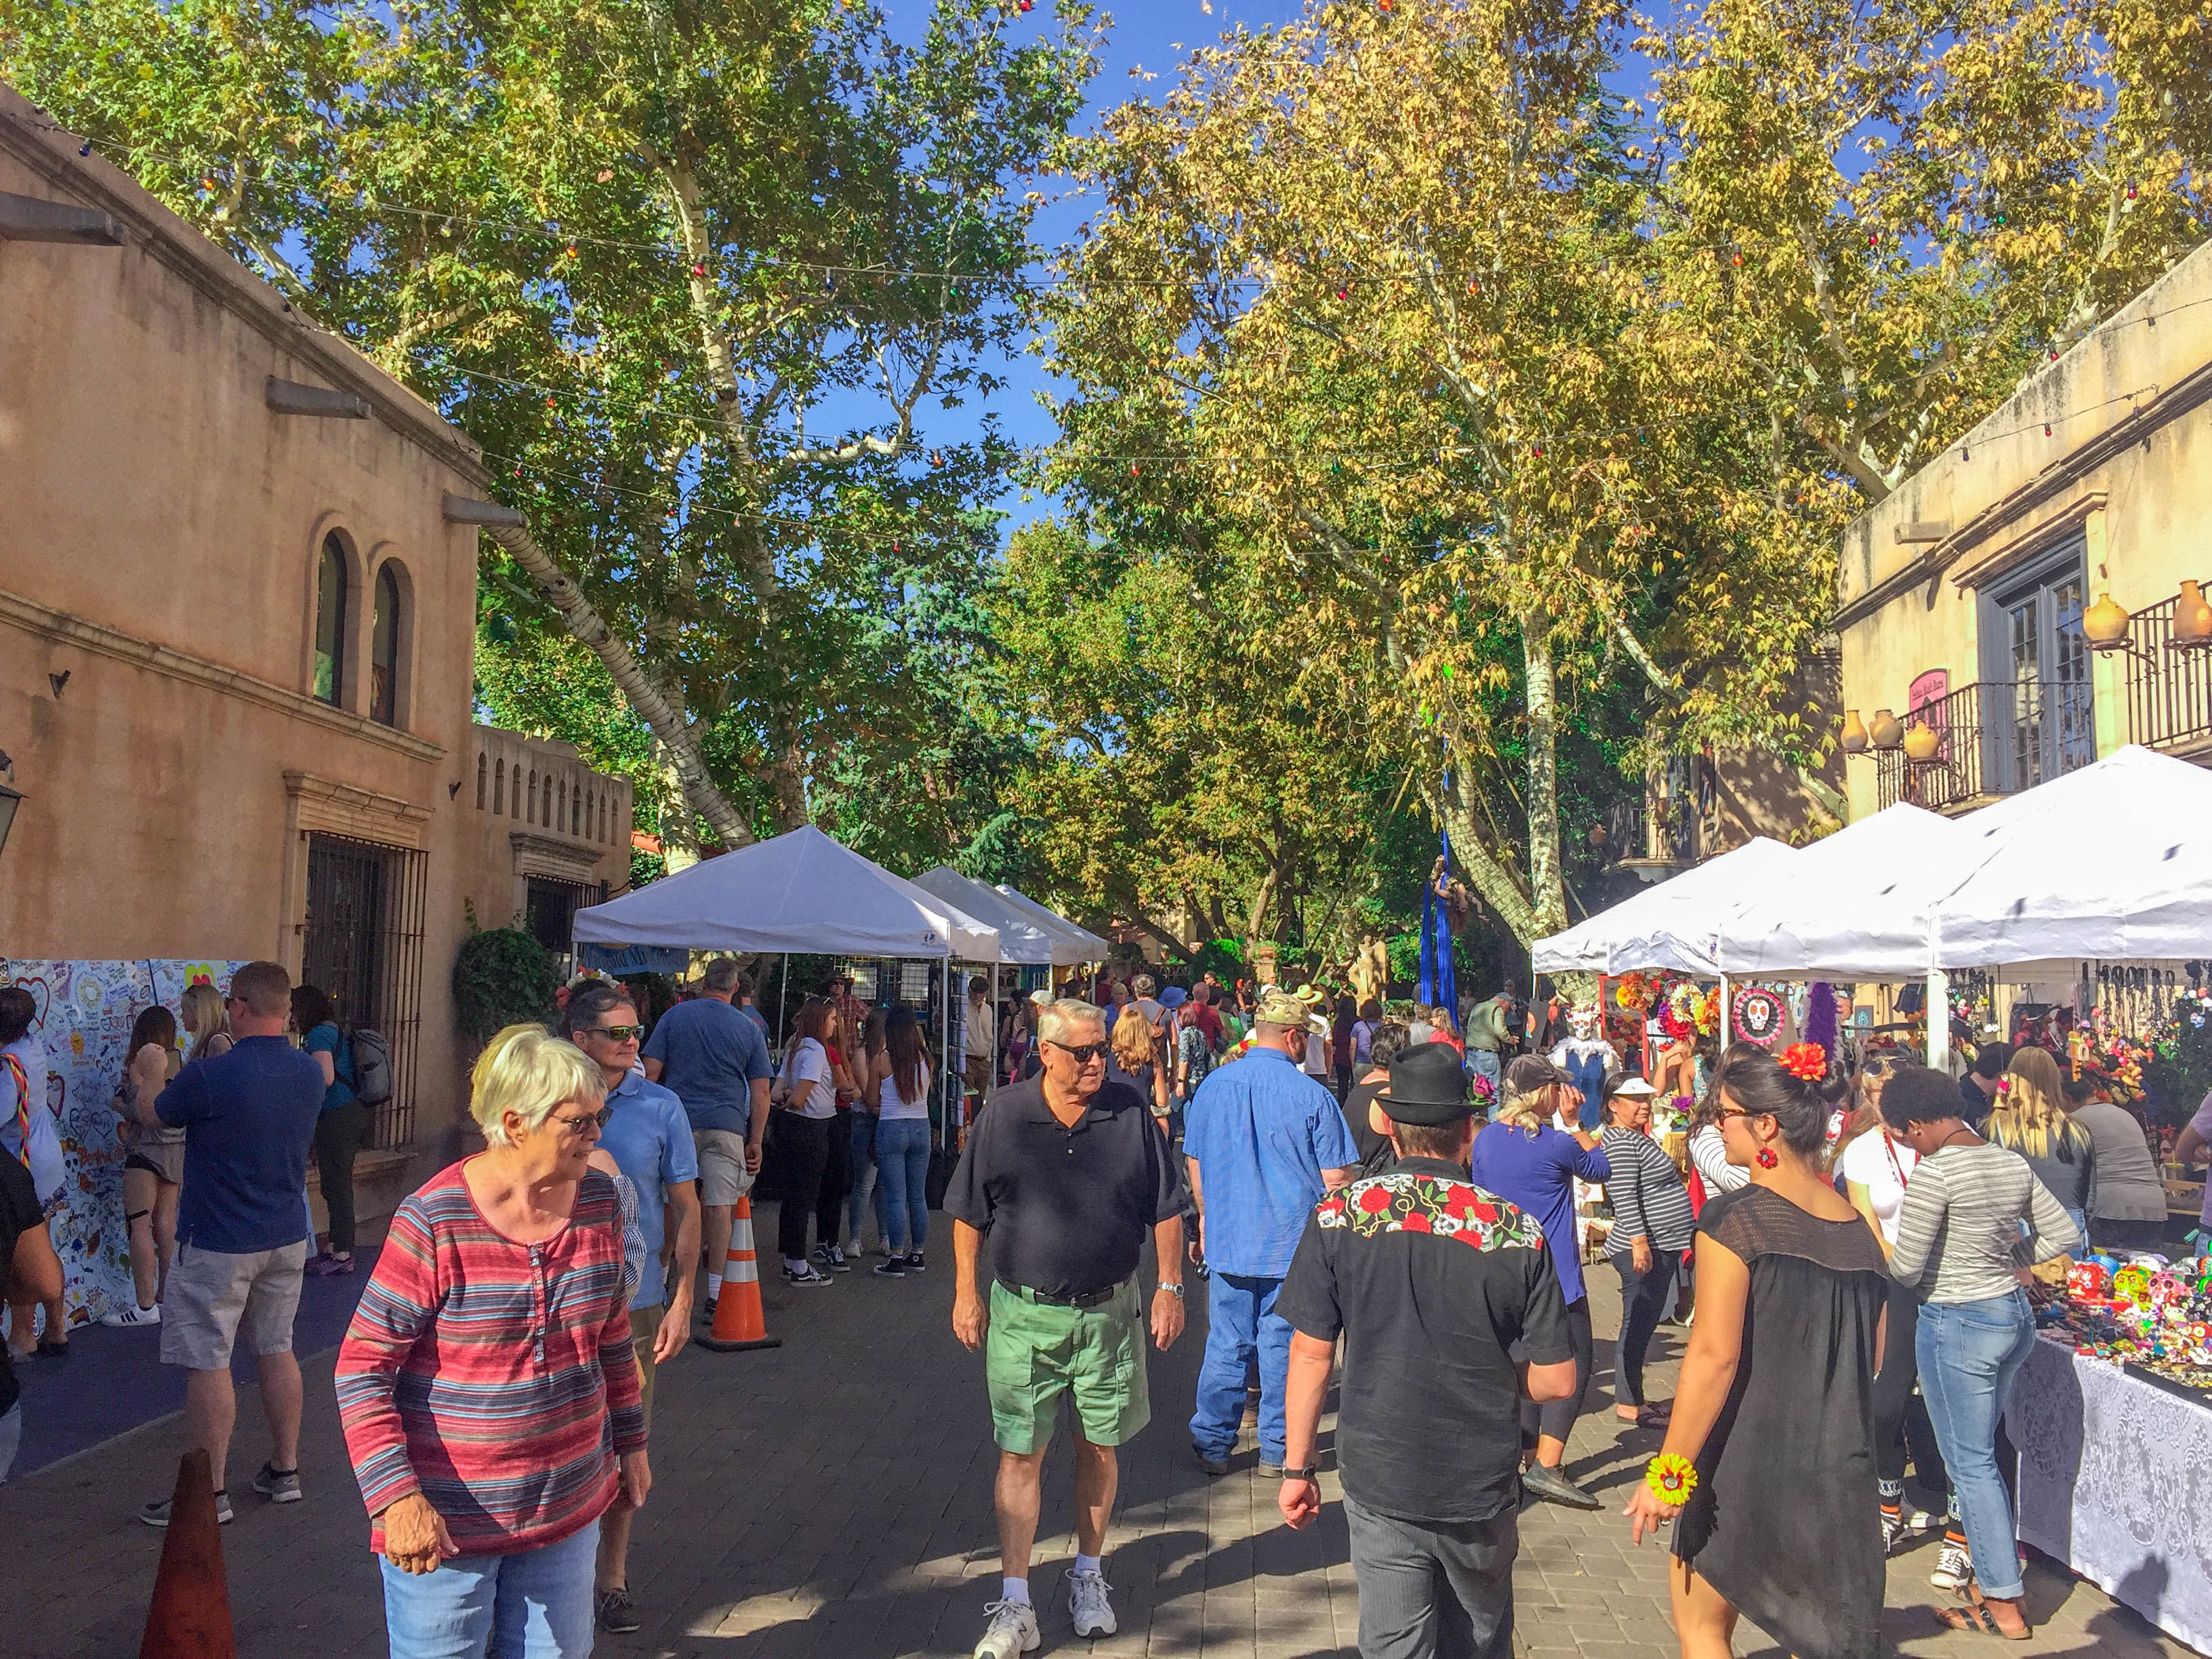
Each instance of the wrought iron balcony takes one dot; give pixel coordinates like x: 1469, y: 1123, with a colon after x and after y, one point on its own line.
x: 1992, y: 737
x: 2169, y: 691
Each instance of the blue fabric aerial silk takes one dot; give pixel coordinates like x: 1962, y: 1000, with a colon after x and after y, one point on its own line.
x: 1588, y: 1071
x: 1439, y: 987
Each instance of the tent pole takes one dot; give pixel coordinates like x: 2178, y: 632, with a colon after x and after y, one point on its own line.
x: 1939, y: 1019
x: 1721, y: 1037
x: 782, y: 995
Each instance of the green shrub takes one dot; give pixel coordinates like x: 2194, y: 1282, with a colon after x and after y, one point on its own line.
x: 502, y: 977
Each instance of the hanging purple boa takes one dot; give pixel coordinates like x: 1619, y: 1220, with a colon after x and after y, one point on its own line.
x: 1820, y: 1017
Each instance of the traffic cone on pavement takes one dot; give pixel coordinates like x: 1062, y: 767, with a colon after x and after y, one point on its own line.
x: 740, y: 1321
x: 190, y: 1618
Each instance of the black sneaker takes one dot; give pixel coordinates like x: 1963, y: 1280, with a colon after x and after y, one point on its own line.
x: 1211, y: 1464
x: 892, y: 1268
x: 276, y: 1486
x: 913, y: 1262
x: 806, y: 1274
x: 617, y: 1612
x: 1548, y: 1484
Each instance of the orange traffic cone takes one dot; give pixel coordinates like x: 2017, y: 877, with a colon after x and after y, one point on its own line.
x: 190, y: 1618
x: 740, y: 1321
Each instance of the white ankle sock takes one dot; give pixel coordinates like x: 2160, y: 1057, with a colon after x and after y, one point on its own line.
x: 796, y: 1263
x: 1088, y: 1563
x: 713, y: 1286
x: 1014, y: 1589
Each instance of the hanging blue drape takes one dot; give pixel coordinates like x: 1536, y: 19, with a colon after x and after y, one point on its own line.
x: 1439, y: 987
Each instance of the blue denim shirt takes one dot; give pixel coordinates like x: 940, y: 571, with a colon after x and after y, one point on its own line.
x: 1261, y: 1132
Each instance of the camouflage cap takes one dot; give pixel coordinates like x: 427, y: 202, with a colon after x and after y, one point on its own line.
x: 1280, y: 1008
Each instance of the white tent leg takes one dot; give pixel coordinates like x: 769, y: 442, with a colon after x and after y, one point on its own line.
x: 1721, y: 1037
x: 1939, y: 1019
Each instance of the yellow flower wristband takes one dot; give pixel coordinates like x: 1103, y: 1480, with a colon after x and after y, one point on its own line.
x: 1671, y: 1477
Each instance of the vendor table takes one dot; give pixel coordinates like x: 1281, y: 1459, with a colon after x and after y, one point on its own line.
x: 2115, y: 1481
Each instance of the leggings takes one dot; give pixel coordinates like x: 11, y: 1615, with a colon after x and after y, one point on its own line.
x: 803, y: 1148
x: 1900, y: 1418
x: 1643, y: 1300
x: 836, y: 1181
x: 338, y: 1134
x: 1555, y: 1419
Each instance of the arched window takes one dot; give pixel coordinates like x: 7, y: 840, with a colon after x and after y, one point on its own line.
x: 332, y: 619
x: 561, y: 806
x: 484, y: 769
x: 499, y: 790
x: 531, y: 817
x: 576, y: 810
x: 384, y: 650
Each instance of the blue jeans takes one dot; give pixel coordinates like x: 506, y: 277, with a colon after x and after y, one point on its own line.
x: 1969, y: 1353
x: 1484, y: 1062
x: 864, y: 1179
x: 902, y: 1166
x: 536, y: 1605
x: 1241, y: 1323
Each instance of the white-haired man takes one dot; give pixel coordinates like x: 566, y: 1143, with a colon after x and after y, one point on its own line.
x: 1065, y: 1173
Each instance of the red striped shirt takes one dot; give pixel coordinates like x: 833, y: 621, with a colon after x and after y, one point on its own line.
x: 495, y: 1378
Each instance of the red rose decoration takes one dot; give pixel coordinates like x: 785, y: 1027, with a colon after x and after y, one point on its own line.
x: 1457, y: 1202
x: 1483, y: 1212
x: 1374, y: 1199
x: 1416, y: 1223
x: 1332, y: 1206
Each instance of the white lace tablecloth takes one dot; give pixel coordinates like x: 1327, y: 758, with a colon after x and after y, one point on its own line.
x: 2116, y: 1480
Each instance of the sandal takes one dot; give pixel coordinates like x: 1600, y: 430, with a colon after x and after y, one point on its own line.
x: 1975, y: 1616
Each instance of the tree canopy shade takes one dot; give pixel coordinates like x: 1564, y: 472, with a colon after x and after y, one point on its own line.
x: 696, y: 277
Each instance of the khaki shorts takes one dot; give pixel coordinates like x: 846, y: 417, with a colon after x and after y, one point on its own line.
x: 1034, y: 1353
x: 723, y: 1177
x: 979, y: 1074
x: 644, y: 1326
x: 213, y: 1298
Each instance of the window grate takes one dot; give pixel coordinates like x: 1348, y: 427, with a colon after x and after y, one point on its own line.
x: 364, y: 945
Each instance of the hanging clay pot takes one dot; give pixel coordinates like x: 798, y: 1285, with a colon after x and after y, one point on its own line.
x: 1921, y: 743
x: 2105, y: 624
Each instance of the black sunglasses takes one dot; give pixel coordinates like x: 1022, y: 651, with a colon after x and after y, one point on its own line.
x: 597, y: 1120
x: 1085, y: 1053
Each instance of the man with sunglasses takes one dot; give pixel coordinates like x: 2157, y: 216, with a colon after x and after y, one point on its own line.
x: 649, y: 1138
x: 1065, y: 1174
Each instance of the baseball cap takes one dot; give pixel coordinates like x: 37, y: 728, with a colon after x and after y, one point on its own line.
x: 1277, y: 1008
x: 1529, y: 1073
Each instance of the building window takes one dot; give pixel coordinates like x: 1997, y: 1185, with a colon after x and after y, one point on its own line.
x: 384, y: 649
x: 361, y: 941
x: 484, y: 770
x: 2043, y: 720
x: 531, y: 816
x: 332, y: 620
x: 499, y: 790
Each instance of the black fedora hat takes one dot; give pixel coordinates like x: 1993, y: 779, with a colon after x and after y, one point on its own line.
x: 1427, y: 1086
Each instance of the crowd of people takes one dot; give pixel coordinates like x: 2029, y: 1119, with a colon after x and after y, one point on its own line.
x: 1850, y: 1252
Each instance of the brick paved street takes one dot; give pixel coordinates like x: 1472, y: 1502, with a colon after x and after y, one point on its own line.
x: 832, y: 1498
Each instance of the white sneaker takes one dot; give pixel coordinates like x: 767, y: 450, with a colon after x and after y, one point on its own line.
x: 1013, y: 1631
x: 131, y: 1314
x: 1087, y: 1599
x: 1955, y: 1567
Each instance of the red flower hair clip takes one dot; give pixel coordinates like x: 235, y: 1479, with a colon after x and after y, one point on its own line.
x: 1806, y: 1061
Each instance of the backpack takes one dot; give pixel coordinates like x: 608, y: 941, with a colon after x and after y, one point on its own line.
x: 372, y: 1066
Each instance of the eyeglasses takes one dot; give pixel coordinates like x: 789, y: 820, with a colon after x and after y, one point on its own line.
x: 617, y: 1033
x: 1083, y: 1052
x: 597, y: 1120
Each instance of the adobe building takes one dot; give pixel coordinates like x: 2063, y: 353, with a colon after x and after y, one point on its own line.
x: 236, y: 628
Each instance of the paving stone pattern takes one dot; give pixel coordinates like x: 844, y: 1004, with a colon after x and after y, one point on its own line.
x: 832, y: 1498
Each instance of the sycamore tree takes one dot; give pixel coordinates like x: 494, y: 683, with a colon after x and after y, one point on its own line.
x: 1375, y: 289
x: 697, y: 279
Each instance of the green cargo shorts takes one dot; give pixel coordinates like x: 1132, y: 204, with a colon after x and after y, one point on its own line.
x: 1035, y: 1353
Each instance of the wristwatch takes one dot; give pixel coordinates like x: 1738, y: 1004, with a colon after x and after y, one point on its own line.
x: 1174, y: 1290
x: 1310, y: 1472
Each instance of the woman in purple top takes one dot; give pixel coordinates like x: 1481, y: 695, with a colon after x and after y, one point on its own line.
x: 1524, y: 1159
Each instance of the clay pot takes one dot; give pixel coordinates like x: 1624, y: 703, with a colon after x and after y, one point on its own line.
x: 1921, y: 741
x: 2105, y: 624
x: 1887, y: 731
x: 1854, y: 741
x: 2193, y: 617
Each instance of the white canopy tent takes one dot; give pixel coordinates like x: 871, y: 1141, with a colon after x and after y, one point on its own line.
x: 1093, y: 948
x: 1021, y: 940
x: 1673, y: 925
x: 803, y: 892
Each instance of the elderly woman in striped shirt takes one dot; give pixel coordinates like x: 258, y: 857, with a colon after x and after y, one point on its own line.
x: 485, y: 1367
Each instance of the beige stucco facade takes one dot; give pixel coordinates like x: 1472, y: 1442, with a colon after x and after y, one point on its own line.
x: 162, y: 529
x: 2101, y: 461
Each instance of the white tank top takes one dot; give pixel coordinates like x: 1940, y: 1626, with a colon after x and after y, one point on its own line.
x: 896, y: 1105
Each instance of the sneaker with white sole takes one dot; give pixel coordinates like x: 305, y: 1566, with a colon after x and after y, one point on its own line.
x: 277, y: 1486
x: 1954, y: 1567
x: 1012, y: 1630
x: 804, y: 1273
x: 131, y: 1314
x: 1086, y: 1601
x: 156, y: 1514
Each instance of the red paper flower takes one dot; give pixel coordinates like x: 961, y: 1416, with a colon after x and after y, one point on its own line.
x: 1807, y: 1061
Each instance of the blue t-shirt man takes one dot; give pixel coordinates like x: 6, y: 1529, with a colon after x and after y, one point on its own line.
x: 1261, y: 1132
x: 649, y: 1138
x: 249, y: 1119
x: 710, y: 1055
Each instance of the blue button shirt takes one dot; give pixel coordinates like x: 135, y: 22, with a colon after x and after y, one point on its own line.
x: 649, y: 1138
x: 248, y: 1118
x: 710, y: 1055
x: 1261, y: 1132
x: 1537, y: 1174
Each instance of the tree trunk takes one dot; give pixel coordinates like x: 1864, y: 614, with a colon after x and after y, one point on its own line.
x: 1256, y: 916
x: 1547, y: 893
x: 651, y: 705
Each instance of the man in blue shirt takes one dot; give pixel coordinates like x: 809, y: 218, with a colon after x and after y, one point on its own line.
x: 715, y: 1058
x: 1266, y: 1144
x: 242, y: 1236
x: 742, y: 1001
x: 649, y: 1137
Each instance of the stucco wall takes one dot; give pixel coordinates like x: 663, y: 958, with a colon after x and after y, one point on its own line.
x: 2127, y: 465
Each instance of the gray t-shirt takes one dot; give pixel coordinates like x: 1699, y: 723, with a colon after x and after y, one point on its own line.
x: 710, y: 1055
x: 2127, y: 1187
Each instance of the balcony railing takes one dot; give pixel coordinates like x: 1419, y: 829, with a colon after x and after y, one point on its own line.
x: 2169, y: 691
x: 1993, y: 738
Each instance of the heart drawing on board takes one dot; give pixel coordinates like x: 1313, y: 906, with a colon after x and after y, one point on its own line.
x: 41, y: 993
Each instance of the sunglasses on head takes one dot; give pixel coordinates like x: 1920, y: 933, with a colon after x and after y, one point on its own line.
x: 1083, y: 1052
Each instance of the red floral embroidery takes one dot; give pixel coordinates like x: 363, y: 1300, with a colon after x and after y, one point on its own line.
x: 1376, y: 1199
x: 1415, y: 1223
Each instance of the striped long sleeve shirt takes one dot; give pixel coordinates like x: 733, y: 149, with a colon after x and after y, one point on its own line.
x: 1958, y: 1234
x: 495, y: 1378
x: 1648, y: 1198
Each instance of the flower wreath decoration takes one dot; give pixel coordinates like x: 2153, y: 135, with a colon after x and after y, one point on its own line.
x: 1672, y: 1478
x: 1806, y: 1061
x: 1757, y: 1016
x: 1709, y: 1012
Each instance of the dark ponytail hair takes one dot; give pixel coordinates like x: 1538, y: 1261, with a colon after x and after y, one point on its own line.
x: 1756, y: 1081
x: 156, y: 1025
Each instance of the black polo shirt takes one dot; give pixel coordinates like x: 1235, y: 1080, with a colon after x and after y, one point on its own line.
x: 1067, y: 1209
x: 1435, y: 1286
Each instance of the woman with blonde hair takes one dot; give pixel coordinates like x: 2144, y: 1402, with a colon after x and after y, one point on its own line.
x: 1132, y: 1059
x: 2029, y: 1117
x: 499, y: 1298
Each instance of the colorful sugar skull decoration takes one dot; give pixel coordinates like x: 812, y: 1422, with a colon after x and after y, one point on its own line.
x: 2131, y: 1284
x: 2165, y: 1291
x: 2087, y: 1282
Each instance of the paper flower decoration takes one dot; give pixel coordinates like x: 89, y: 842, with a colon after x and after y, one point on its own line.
x: 1806, y: 1061
x: 1671, y: 1477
